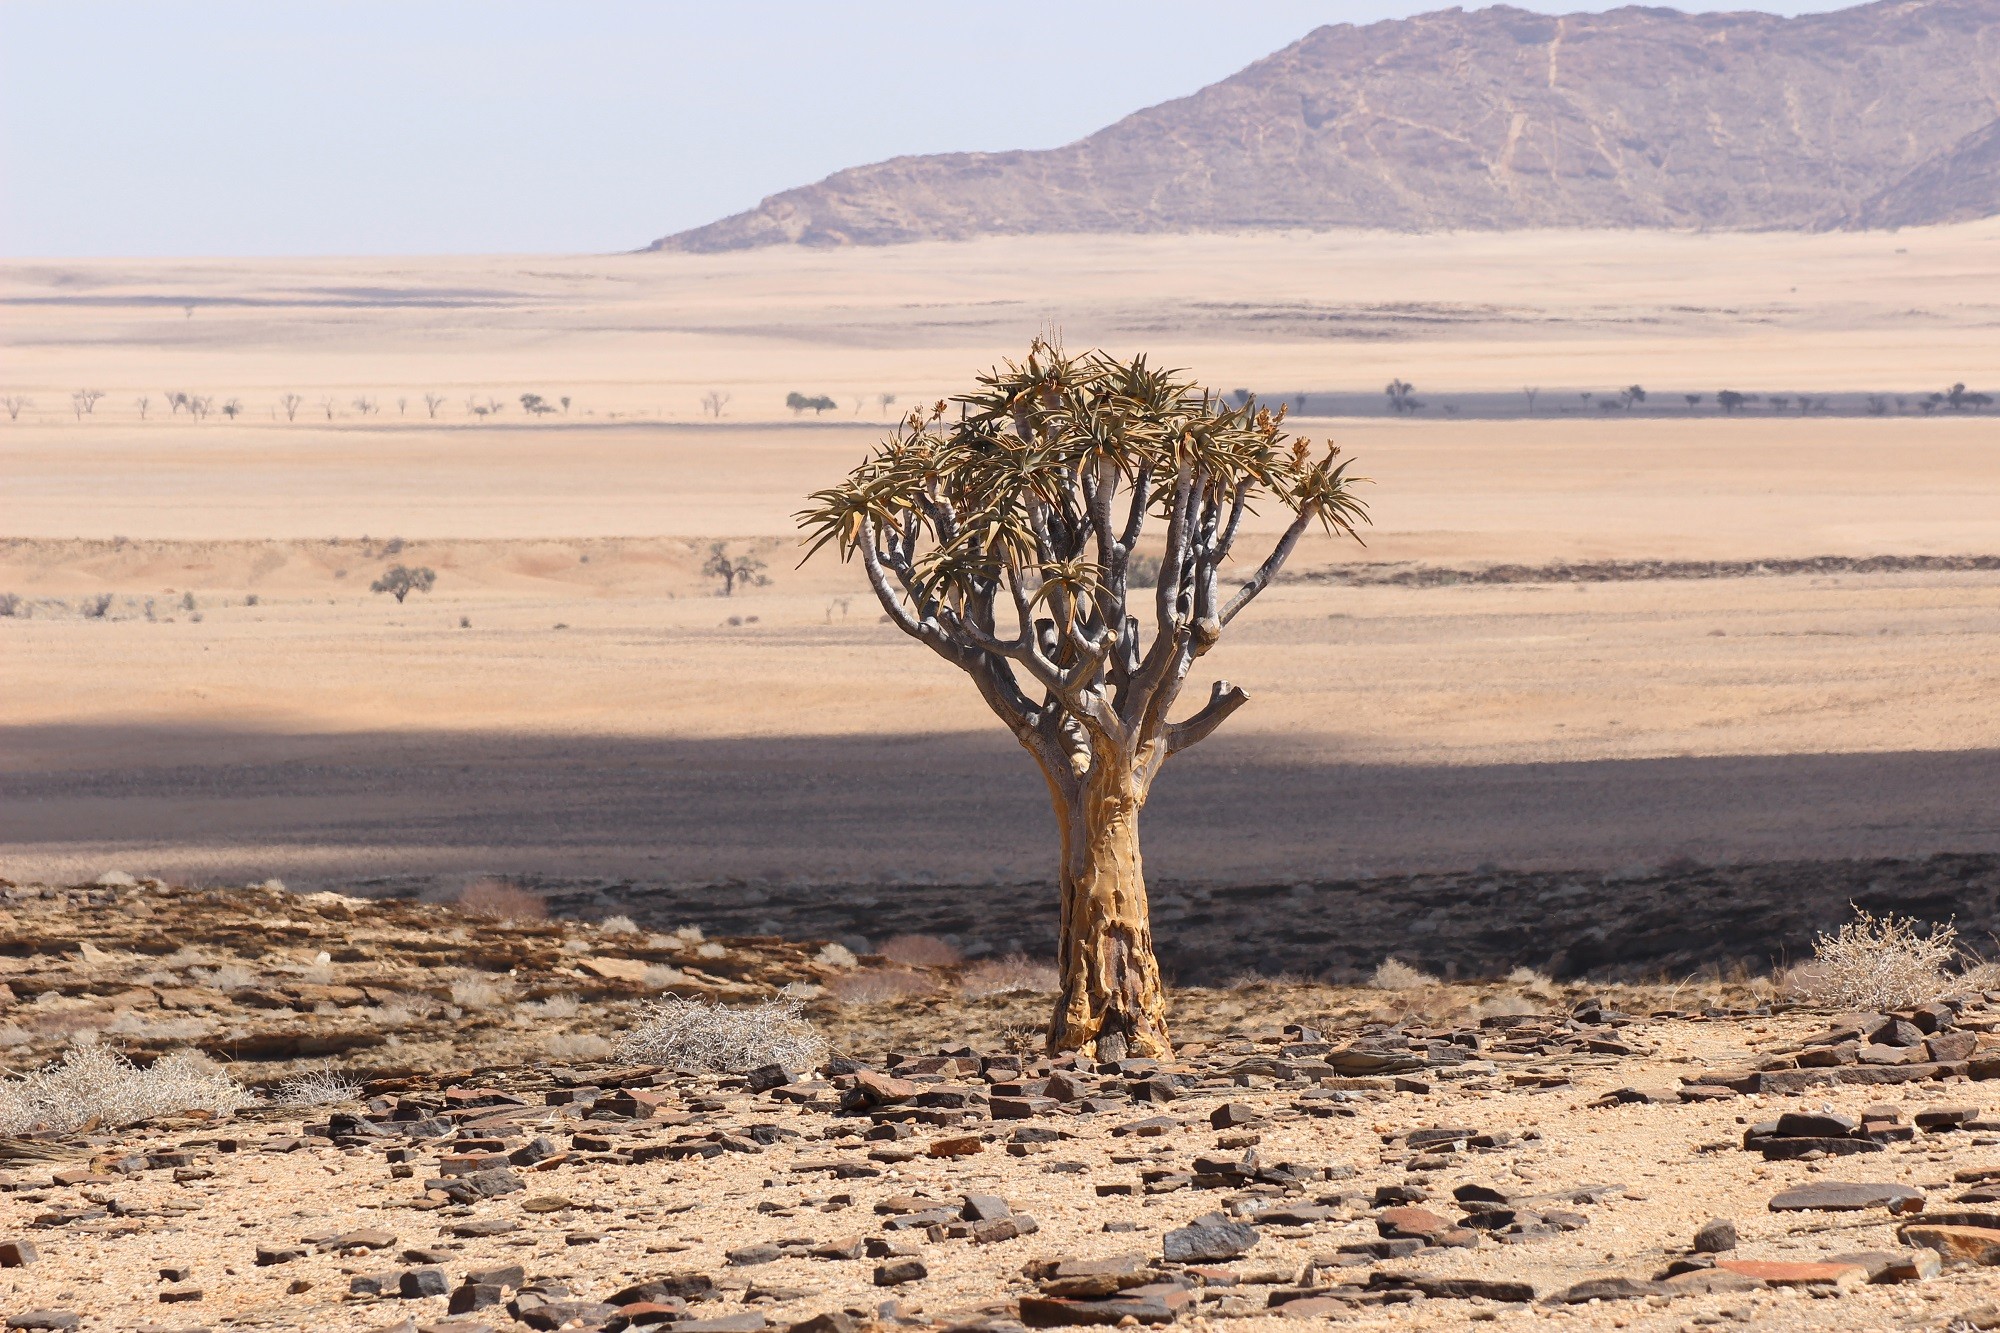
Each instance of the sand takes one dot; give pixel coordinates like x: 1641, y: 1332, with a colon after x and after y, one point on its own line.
x: 600, y: 716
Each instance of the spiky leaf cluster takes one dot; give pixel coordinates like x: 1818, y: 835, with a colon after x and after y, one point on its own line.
x: 1003, y: 538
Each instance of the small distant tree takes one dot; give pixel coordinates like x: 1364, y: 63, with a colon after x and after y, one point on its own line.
x: 327, y: 406
x: 1878, y: 406
x: 401, y: 404
x: 885, y: 401
x: 233, y: 408
x: 174, y: 399
x: 745, y: 569
x: 291, y: 403
x: 819, y: 404
x: 1239, y: 396
x: 715, y: 400
x: 535, y: 405
x: 1958, y: 399
x: 142, y: 402
x: 364, y: 405
x: 432, y: 402
x: 1693, y: 400
x: 85, y: 401
x: 199, y: 406
x: 564, y: 400
x: 1729, y: 401
x: 476, y: 407
x: 1631, y: 395
x: 1779, y: 402
x: 14, y: 403
x: 1401, y: 396
x: 1531, y: 393
x: 1003, y: 542
x: 400, y: 581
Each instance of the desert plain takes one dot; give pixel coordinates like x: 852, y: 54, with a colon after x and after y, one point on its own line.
x: 1678, y: 684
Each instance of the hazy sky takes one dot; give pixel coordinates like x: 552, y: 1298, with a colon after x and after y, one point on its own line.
x: 258, y: 127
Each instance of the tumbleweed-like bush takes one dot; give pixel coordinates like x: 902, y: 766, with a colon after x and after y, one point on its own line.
x: 1395, y: 974
x: 92, y: 1082
x: 325, y: 1086
x: 1012, y: 975
x: 1877, y: 962
x: 694, y: 1034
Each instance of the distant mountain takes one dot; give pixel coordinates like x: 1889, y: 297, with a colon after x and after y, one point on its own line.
x: 1885, y: 114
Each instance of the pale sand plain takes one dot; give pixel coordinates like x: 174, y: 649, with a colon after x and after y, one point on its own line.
x: 324, y: 734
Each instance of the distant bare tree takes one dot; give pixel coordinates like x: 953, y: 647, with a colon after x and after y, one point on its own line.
x: 14, y: 402
x: 291, y: 403
x: 1693, y: 400
x: 476, y: 407
x: 1632, y: 395
x: 534, y: 405
x: 746, y: 569
x: 885, y: 401
x: 142, y: 402
x: 174, y: 399
x: 432, y: 402
x: 199, y: 406
x: 1401, y: 396
x: 401, y: 405
x: 401, y: 581
x: 1531, y: 397
x: 364, y: 405
x: 713, y: 402
x: 326, y: 405
x: 233, y: 408
x: 85, y: 401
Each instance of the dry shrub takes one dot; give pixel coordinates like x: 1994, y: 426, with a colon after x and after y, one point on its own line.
x: 498, y: 900
x: 1877, y: 962
x: 618, y: 925
x: 1012, y: 975
x: 837, y: 956
x: 324, y: 1086
x: 1395, y: 974
x: 92, y: 1082
x: 880, y: 986
x: 694, y: 1034
x: 919, y: 951
x: 576, y: 1046
x: 479, y: 992
x: 557, y: 1007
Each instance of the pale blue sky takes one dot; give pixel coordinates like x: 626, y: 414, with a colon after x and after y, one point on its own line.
x: 269, y: 127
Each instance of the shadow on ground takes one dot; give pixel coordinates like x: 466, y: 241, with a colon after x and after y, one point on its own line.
x: 951, y: 834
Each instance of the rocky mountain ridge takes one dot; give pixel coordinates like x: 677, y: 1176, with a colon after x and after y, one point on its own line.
x: 1886, y: 114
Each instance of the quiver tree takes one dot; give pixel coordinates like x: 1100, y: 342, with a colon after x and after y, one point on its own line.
x: 1005, y: 542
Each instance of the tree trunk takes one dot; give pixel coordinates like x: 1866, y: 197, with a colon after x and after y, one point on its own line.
x: 1111, y: 994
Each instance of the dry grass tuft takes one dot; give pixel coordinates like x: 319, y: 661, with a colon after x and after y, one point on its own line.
x: 880, y: 986
x: 693, y: 1034
x: 325, y: 1086
x: 1877, y: 962
x: 498, y: 900
x: 919, y: 951
x: 1012, y: 975
x: 1395, y: 974
x: 836, y: 955
x: 618, y: 925
x: 576, y: 1046
x: 93, y: 1083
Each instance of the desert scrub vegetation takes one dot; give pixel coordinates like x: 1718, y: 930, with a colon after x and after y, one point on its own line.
x: 497, y: 900
x: 723, y: 1039
x: 1012, y: 975
x: 91, y: 1083
x: 1876, y: 963
x: 920, y: 951
x: 1395, y: 974
x: 324, y: 1086
x: 881, y: 985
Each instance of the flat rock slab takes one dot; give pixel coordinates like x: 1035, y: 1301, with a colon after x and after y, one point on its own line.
x: 1836, y: 1196
x: 1955, y: 1244
x: 1778, y: 1274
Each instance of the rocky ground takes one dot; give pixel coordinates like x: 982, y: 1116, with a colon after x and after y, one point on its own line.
x: 1606, y: 1155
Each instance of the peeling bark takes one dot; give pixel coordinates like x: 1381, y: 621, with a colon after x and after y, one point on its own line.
x: 1112, y: 1000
